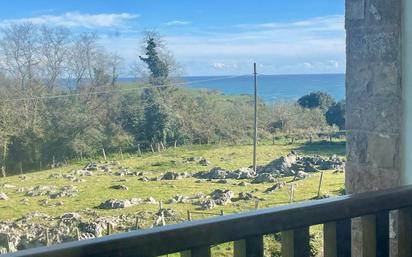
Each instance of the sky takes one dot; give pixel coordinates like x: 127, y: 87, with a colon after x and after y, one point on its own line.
x: 213, y: 37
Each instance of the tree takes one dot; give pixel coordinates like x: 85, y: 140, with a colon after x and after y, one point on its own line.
x: 157, y: 64
x: 336, y: 115
x: 317, y: 99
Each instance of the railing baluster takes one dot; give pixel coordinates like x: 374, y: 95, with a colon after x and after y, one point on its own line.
x: 404, y: 244
x: 369, y: 235
x: 287, y: 243
x: 239, y: 248
x: 197, y: 252
x: 254, y: 246
x: 382, y: 234
x: 296, y: 243
x: 301, y: 242
x: 343, y: 238
x: 330, y: 240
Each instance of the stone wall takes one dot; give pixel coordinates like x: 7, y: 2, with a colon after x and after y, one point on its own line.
x: 374, y: 100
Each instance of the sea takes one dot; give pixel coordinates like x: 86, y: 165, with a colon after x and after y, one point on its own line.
x: 272, y: 87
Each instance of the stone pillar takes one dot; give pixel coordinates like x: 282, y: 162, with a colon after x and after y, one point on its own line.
x: 373, y: 100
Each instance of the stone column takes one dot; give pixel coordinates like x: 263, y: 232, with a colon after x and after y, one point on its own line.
x: 374, y: 100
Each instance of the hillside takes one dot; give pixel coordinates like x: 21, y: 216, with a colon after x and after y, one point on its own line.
x: 71, y: 194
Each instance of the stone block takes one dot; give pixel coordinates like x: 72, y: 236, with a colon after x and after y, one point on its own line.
x: 383, y: 13
x: 355, y: 10
x: 375, y: 114
x: 361, y: 178
x: 356, y: 147
x: 382, y: 151
x: 374, y: 78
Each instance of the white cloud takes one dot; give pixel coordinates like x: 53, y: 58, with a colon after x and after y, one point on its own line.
x: 177, y: 23
x: 77, y: 20
x: 318, y: 42
x: 218, y: 65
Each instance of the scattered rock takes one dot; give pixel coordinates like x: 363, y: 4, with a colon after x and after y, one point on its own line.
x: 246, y: 196
x: 275, y: 187
x: 222, y: 196
x: 264, y: 178
x: 119, y: 187
x: 117, y: 204
x: 179, y: 199
x: 204, y: 162
x: 301, y: 175
x: 171, y: 176
x: 150, y: 200
x: 3, y: 197
x: 280, y: 166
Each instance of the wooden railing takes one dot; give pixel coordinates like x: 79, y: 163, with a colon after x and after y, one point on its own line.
x: 195, y: 238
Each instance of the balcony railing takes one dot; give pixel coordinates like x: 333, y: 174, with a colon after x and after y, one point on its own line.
x: 247, y: 229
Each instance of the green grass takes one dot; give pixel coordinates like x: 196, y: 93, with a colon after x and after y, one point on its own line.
x: 96, y: 188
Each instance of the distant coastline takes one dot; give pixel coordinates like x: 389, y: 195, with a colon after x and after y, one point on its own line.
x: 270, y: 87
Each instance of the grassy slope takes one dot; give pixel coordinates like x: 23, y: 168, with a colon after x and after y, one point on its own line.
x: 96, y: 189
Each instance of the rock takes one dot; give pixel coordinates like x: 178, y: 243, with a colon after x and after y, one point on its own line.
x: 3, y: 197
x: 204, y: 162
x: 310, y: 167
x: 66, y: 191
x: 119, y: 187
x: 275, y: 187
x: 217, y: 173
x: 41, y: 191
x: 245, y: 173
x: 301, y: 175
x: 150, y: 200
x: 264, y: 178
x: 245, y: 196
x: 280, y: 166
x: 179, y: 199
x: 171, y: 176
x: 115, y: 204
x: 207, y: 204
x: 70, y: 218
x: 167, y: 212
x: 222, y: 196
x: 144, y: 179
x: 222, y: 181
x: 8, y: 186
x: 91, y: 167
x: 54, y: 176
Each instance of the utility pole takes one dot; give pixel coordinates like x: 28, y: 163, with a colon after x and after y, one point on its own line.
x: 255, y: 119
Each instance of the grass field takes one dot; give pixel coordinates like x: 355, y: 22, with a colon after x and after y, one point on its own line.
x: 96, y: 189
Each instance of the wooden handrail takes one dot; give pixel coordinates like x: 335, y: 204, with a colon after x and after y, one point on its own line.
x: 247, y: 225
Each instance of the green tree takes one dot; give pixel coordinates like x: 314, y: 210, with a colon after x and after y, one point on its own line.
x: 317, y: 99
x: 336, y: 115
x: 157, y: 64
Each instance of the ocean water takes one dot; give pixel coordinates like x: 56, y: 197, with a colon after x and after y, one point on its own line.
x: 274, y: 87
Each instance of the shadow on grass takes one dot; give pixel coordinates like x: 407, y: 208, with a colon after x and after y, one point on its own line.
x: 323, y: 148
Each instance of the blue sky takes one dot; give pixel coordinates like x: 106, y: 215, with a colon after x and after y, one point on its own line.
x: 207, y: 37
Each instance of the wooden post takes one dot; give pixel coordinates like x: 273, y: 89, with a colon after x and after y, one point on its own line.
x: 292, y: 193
x: 54, y: 162
x: 175, y: 146
x: 104, y: 154
x: 163, y: 219
x: 189, y: 216
x: 47, y: 237
x: 109, y: 229
x: 21, y: 167
x: 256, y: 203
x: 76, y: 230
x: 255, y: 119
x: 320, y: 184
x: 121, y: 153
x: 139, y: 152
x: 221, y: 213
x: 160, y: 205
x: 136, y: 224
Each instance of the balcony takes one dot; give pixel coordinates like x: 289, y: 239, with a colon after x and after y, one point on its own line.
x: 195, y: 238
